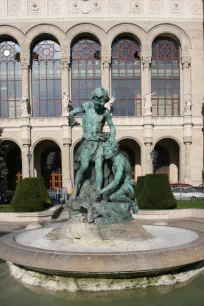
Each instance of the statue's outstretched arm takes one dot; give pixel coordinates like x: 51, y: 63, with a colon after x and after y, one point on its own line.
x: 111, y: 125
x: 76, y: 111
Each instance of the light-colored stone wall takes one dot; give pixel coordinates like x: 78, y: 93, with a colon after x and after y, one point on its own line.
x: 145, y: 20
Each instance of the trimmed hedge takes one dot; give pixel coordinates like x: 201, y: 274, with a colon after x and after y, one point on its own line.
x: 139, y: 186
x: 156, y: 193
x: 30, y: 195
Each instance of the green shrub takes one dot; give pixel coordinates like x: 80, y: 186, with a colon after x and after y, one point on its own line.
x: 156, y: 193
x: 139, y: 186
x: 30, y: 195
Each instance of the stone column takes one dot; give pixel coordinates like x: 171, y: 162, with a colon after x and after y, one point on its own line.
x: 25, y: 66
x: 187, y: 177
x: 185, y: 60
x: 187, y: 116
x: 65, y: 76
x: 66, y: 167
x: 106, y: 74
x: 148, y: 144
x: 25, y: 165
x: 146, y: 61
x: 147, y: 113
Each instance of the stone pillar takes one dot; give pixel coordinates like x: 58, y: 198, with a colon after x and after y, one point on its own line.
x: 25, y: 66
x: 147, y: 114
x: 25, y: 165
x: 106, y: 74
x: 148, y: 144
x: 187, y: 177
x: 65, y: 76
x: 66, y: 167
x: 146, y: 60
x: 187, y: 114
x: 106, y: 67
x: 185, y: 60
x: 26, y: 142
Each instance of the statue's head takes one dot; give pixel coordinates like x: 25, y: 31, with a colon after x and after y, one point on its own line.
x: 100, y: 97
x: 110, y: 149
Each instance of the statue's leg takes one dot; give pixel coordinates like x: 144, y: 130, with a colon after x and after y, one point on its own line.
x: 85, y: 160
x: 99, y: 173
x: 120, y: 196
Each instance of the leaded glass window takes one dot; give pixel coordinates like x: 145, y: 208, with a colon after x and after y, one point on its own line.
x: 46, y: 79
x: 10, y: 80
x: 86, y: 70
x: 126, y: 78
x: 165, y: 78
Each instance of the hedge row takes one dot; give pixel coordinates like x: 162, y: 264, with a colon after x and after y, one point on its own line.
x: 31, y: 195
x: 154, y: 192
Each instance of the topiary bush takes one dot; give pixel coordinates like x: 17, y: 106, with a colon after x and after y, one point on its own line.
x: 139, y: 186
x: 30, y: 195
x: 156, y: 193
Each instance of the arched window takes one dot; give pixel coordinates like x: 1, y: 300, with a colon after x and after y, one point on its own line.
x: 165, y: 78
x: 126, y: 78
x: 46, y: 79
x: 86, y: 70
x: 10, y: 79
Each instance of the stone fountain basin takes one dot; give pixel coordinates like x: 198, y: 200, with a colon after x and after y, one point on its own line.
x: 166, y: 249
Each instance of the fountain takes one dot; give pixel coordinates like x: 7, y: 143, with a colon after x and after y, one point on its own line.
x: 102, y: 246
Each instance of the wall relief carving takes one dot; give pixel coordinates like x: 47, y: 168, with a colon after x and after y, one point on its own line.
x: 13, y: 7
x: 33, y: 7
x: 176, y: 6
x: 116, y: 6
x: 156, y: 7
x: 85, y: 6
x: 54, y: 7
x: 137, y: 6
x: 196, y: 7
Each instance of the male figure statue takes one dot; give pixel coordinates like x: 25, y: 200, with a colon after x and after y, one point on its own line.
x: 95, y: 115
x: 122, y: 188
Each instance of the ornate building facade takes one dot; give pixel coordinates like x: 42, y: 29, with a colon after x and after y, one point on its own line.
x: 147, y: 53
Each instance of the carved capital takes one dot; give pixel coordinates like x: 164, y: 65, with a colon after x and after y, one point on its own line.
x: 146, y: 60
x: 148, y: 140
x: 187, y: 139
x: 186, y: 61
x: 25, y: 62
x: 65, y: 61
x: 106, y: 63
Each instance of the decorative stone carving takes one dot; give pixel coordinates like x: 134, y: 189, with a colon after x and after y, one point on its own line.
x: 54, y: 7
x: 176, y: 6
x: 196, y: 7
x: 186, y: 61
x: 188, y: 105
x: 156, y: 7
x: 66, y: 105
x: 148, y: 104
x: 24, y: 61
x: 146, y: 60
x: 137, y: 6
x: 13, y: 7
x: 24, y: 107
x: 116, y: 6
x: 85, y: 6
x: 33, y: 7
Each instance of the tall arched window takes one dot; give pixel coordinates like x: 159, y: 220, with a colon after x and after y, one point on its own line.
x: 165, y: 78
x: 126, y: 78
x: 10, y: 79
x: 86, y: 70
x: 46, y: 79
